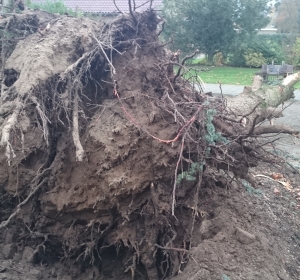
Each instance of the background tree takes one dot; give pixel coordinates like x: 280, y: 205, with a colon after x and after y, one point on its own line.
x: 288, y: 25
x: 288, y: 17
x: 212, y: 25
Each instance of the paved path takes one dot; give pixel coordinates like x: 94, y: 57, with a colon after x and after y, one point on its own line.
x: 235, y: 90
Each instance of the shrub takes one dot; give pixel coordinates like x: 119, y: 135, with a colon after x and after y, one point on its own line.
x: 270, y: 47
x: 254, y: 59
x: 218, y: 59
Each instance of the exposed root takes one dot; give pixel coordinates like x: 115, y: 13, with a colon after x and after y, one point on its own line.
x: 75, y: 132
x: 10, y: 124
x: 25, y: 201
x: 44, y: 119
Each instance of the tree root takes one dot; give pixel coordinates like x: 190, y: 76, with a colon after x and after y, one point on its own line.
x: 32, y: 193
x: 11, y: 122
x: 43, y: 118
x: 75, y: 132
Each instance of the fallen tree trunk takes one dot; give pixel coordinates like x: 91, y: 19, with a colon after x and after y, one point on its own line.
x: 267, y: 96
x: 259, y: 102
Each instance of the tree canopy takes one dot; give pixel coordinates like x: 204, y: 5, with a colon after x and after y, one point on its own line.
x: 212, y: 25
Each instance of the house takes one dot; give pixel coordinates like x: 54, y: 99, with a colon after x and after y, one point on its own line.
x: 107, y: 7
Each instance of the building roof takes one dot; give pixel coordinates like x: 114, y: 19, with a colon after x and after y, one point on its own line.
x: 107, y: 6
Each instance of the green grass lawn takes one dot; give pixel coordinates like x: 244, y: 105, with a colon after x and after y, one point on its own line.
x: 229, y: 75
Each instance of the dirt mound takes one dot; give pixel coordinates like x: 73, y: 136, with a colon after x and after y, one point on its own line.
x: 108, y: 155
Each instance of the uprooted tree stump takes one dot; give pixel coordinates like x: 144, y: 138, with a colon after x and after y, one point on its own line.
x: 105, y: 150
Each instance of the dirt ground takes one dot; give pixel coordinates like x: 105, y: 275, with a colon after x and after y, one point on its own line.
x: 240, y: 233
x: 105, y: 211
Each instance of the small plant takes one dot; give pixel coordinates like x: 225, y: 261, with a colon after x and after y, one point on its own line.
x: 212, y: 135
x: 190, y: 174
x: 211, y: 138
x: 57, y: 6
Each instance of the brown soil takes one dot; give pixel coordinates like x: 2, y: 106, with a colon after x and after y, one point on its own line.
x: 110, y: 215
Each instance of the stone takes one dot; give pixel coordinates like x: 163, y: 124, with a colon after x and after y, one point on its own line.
x: 244, y: 237
x: 204, y: 229
x: 4, y: 276
x: 36, y: 273
x: 27, y: 255
x: 9, y: 250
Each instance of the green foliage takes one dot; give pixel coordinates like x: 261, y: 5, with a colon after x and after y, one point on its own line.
x: 270, y: 48
x: 210, y: 25
x: 212, y: 135
x: 190, y: 174
x: 254, y: 59
x: 211, y: 138
x: 57, y: 6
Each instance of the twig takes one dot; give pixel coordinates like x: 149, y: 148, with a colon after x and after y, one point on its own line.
x: 264, y: 176
x: 182, y: 63
x: 248, y: 114
x: 222, y: 96
x: 162, y: 28
x: 252, y: 128
x: 151, y: 2
x: 117, y: 7
x: 108, y: 60
x: 171, y: 248
x: 131, y: 12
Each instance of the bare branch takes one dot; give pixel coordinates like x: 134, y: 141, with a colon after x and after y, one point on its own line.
x: 183, y: 62
x: 162, y: 28
x: 131, y: 12
x: 117, y: 7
